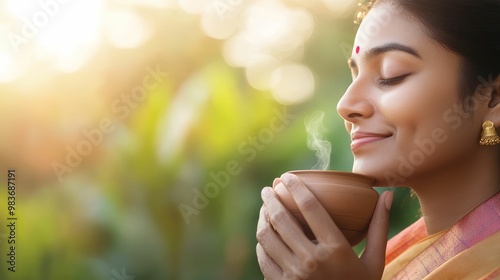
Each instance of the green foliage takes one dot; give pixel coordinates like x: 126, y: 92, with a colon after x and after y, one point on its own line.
x: 134, y: 207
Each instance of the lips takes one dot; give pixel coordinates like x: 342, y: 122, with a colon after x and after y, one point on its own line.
x: 360, y: 138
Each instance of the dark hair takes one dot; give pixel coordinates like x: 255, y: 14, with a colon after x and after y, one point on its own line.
x: 470, y: 28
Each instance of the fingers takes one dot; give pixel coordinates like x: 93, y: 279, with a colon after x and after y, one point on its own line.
x: 317, y: 218
x: 267, y: 265
x: 271, y: 270
x: 274, y: 247
x: 286, y: 225
x: 376, y: 242
x: 276, y: 182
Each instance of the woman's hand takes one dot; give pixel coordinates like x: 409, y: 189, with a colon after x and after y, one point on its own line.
x: 284, y: 251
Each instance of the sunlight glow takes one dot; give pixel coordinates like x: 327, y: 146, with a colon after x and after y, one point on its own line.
x: 240, y: 51
x: 267, y: 21
x: 220, y: 25
x: 72, y: 31
x: 265, y: 37
x: 21, y: 8
x: 71, y: 62
x: 7, y: 69
x: 149, y: 3
x: 268, y: 44
x: 295, y: 84
x: 260, y: 73
x: 339, y: 7
x: 195, y: 6
x: 126, y: 29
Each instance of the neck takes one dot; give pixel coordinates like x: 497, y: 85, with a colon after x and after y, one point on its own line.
x: 448, y: 195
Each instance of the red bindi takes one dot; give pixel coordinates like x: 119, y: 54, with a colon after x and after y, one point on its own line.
x: 357, y: 49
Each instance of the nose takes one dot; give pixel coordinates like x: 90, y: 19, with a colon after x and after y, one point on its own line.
x: 354, y: 104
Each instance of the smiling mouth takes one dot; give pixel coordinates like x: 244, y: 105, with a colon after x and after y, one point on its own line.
x: 360, y: 139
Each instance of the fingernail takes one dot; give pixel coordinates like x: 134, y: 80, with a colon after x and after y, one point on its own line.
x: 264, y: 192
x: 276, y: 181
x: 286, y: 178
x: 388, y: 200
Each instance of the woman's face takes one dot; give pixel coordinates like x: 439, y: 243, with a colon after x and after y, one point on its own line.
x: 402, y: 108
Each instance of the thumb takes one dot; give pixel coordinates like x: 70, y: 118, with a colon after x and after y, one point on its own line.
x: 376, y: 240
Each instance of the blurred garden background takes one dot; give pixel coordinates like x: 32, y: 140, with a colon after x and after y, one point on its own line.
x: 141, y: 132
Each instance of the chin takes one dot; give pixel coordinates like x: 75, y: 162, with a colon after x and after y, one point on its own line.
x: 384, y: 175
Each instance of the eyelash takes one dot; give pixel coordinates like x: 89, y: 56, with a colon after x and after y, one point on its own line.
x: 392, y: 81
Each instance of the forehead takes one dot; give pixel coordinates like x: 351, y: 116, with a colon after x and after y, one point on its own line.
x: 387, y: 24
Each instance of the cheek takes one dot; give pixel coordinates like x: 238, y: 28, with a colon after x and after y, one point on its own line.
x: 424, y: 139
x: 420, y: 103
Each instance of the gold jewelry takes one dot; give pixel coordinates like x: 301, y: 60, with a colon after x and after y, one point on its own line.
x: 489, y: 135
x: 363, y: 9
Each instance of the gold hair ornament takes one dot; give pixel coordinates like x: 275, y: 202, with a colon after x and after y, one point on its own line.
x: 363, y: 9
x: 489, y: 135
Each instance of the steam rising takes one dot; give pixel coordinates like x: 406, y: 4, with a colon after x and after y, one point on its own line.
x: 316, y: 140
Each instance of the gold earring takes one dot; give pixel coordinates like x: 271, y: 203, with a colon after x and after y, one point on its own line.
x: 489, y: 135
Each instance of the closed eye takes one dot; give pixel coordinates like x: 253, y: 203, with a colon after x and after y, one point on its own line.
x: 392, y: 81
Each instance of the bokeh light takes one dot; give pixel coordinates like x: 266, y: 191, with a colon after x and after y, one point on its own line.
x: 295, y: 84
x: 71, y: 33
x: 126, y: 30
x: 118, y: 112
x: 339, y: 7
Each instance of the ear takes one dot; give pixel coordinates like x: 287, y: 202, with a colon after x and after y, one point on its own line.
x: 494, y: 102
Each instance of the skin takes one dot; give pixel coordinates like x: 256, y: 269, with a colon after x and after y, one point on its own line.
x: 386, y: 119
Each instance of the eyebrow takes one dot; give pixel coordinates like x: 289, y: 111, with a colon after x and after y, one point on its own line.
x: 375, y: 51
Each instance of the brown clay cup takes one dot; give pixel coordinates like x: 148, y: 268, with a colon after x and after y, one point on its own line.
x: 348, y: 197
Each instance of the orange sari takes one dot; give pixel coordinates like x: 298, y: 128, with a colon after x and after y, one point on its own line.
x: 468, y: 250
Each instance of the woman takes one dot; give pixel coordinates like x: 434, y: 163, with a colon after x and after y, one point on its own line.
x: 421, y: 111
